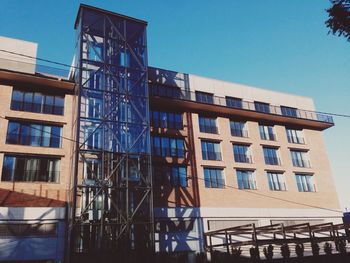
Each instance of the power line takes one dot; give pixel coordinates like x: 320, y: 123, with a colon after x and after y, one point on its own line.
x: 225, y: 185
x: 71, y: 66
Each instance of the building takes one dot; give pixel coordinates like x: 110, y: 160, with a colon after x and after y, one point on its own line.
x: 223, y: 154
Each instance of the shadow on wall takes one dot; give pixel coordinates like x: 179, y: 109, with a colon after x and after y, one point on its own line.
x: 178, y: 226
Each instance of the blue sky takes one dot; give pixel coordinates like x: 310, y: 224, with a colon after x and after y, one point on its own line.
x: 278, y: 45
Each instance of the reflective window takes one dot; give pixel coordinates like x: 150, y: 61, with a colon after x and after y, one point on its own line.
x: 300, y: 158
x: 266, y: 133
x: 246, y: 179
x: 207, y: 124
x: 262, y: 107
x: 305, y: 182
x: 168, y: 147
x: 30, y: 169
x: 34, y: 134
x: 242, y: 153
x: 238, y: 129
x: 204, y: 97
x: 37, y: 102
x: 174, y: 175
x: 169, y: 120
x: 295, y: 136
x: 233, y: 102
x: 271, y: 156
x: 288, y: 111
x: 276, y: 181
x: 213, y: 178
x: 211, y: 150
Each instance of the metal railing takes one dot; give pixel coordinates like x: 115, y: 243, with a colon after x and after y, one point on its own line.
x: 177, y: 93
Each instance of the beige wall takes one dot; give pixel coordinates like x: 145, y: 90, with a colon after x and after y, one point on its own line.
x: 247, y: 93
x: 17, y: 62
x: 50, y: 190
x: 325, y: 196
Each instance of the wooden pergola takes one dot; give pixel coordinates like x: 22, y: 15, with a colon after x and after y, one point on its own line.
x: 251, y: 235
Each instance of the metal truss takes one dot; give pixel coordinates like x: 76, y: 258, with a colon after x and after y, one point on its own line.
x: 113, y: 210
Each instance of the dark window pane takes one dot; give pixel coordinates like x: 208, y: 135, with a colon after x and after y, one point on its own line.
x: 262, y: 107
x: 28, y: 101
x: 49, y: 104
x: 8, y: 168
x: 59, y: 105
x: 13, y: 133
x: 17, y: 100
x: 38, y: 102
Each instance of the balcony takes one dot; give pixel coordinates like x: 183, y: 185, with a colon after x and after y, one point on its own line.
x: 245, y: 108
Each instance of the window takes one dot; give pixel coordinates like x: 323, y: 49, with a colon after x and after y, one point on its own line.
x: 30, y: 169
x: 246, y: 179
x: 92, y: 169
x: 211, y: 150
x: 168, y: 147
x: 295, y: 136
x: 266, y: 133
x: 271, y: 156
x: 300, y: 159
x: 305, y: 183
x: 37, y: 102
x: 276, y: 181
x: 94, y: 108
x: 233, y: 102
x: 238, y: 129
x: 165, y: 91
x: 241, y: 153
x: 207, y: 125
x: 288, y: 111
x: 174, y: 175
x: 93, y: 137
x: 262, y: 107
x: 213, y: 178
x: 204, y: 97
x: 170, y: 120
x: 33, y: 134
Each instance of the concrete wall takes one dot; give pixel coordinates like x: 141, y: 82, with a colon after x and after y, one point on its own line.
x: 16, y: 62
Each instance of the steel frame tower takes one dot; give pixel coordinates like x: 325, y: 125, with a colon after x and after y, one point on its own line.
x: 112, y: 202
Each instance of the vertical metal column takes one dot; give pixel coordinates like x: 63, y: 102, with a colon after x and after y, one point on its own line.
x: 113, y: 211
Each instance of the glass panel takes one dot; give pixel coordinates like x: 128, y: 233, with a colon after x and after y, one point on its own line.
x: 46, y: 136
x: 24, y: 134
x: 35, y: 134
x: 59, y: 105
x: 38, y: 102
x: 49, y: 104
x: 17, y: 100
x: 13, y: 133
x: 28, y: 101
x: 8, y: 168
